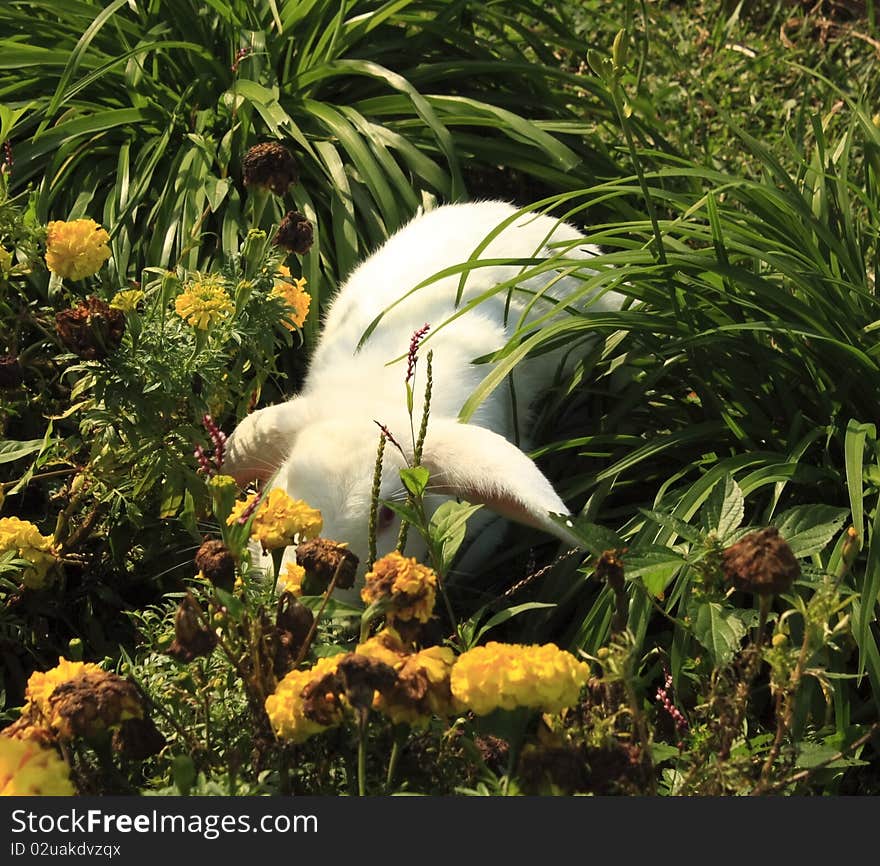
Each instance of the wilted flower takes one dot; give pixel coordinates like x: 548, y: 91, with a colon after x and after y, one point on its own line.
x: 25, y: 539
x: 28, y: 769
x: 295, y: 233
x: 421, y: 688
x: 92, y: 704
x: 138, y: 739
x: 270, y: 165
x: 297, y: 299
x: 761, y: 562
x: 204, y: 302
x: 191, y: 638
x: 76, y: 249
x: 506, y: 676
x: 293, y: 625
x: 279, y: 520
x: 323, y: 559
x: 92, y: 329
x: 287, y: 707
x: 409, y: 587
x: 217, y: 563
x: 362, y: 677
x: 127, y: 301
x: 78, y: 699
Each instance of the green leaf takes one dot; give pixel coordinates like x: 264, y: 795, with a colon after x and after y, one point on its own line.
x: 447, y: 529
x: 682, y: 528
x: 509, y: 613
x: 719, y: 630
x: 234, y: 605
x: 11, y: 449
x: 655, y: 566
x: 724, y: 509
x: 595, y: 538
x: 415, y: 479
x: 853, y: 454
x: 809, y: 528
x: 216, y: 189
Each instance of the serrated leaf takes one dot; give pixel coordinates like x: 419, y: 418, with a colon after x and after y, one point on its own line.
x: 809, y: 528
x: 719, y: 630
x: 597, y: 539
x: 655, y: 567
x: 724, y: 509
x: 685, y: 530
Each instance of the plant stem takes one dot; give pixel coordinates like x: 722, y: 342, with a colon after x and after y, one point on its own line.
x: 362, y: 752
x: 314, y: 626
x: 392, y: 763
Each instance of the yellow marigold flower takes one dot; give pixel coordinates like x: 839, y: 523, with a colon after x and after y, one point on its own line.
x: 291, y: 580
x: 279, y: 520
x: 204, y: 302
x: 127, y: 300
x: 5, y: 262
x: 294, y: 294
x: 28, y: 769
x: 505, y: 676
x: 287, y: 707
x: 76, y: 249
x: 410, y: 587
x: 25, y: 539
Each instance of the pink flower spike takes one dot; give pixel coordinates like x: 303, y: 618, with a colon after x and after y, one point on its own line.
x: 417, y: 338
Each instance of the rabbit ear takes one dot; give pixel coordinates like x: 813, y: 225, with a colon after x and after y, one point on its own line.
x: 480, y: 466
x: 261, y: 442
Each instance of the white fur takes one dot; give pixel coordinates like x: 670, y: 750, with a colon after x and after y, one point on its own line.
x: 323, y: 442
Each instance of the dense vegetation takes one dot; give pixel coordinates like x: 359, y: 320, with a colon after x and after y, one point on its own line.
x: 718, y: 440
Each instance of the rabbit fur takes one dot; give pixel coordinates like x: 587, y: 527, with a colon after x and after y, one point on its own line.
x: 321, y: 445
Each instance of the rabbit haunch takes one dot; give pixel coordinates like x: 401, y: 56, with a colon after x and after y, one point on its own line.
x: 322, y: 443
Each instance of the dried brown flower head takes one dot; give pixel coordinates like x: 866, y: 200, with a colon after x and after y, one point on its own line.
x: 610, y: 568
x: 138, y: 739
x: 271, y: 166
x: 295, y: 233
x: 362, y: 677
x: 92, y: 703
x: 191, y: 638
x: 216, y: 561
x: 293, y: 622
x: 761, y: 562
x: 321, y: 558
x: 92, y: 329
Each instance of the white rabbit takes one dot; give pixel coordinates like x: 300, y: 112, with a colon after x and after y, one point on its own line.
x: 323, y: 442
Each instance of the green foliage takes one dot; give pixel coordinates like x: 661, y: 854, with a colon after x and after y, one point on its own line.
x: 735, y: 389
